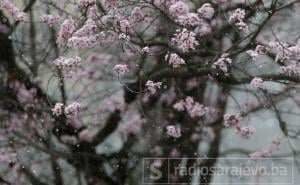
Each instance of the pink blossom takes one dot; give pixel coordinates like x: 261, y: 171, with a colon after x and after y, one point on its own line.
x: 206, y: 11
x: 193, y: 108
x: 222, y: 63
x: 124, y: 37
x: 137, y: 14
x: 121, y: 69
x: 113, y: 102
x: 65, y: 32
x: 83, y: 42
x: 291, y: 69
x: 242, y: 26
x: 69, y: 139
x: 146, y: 49
x: 23, y: 94
x: 208, y: 134
x: 179, y: 106
x: 153, y: 87
x: 198, y: 110
x: 86, y: 3
x: 162, y: 4
x: 238, y: 19
x: 87, y: 30
x: 172, y: 131
x: 67, y: 63
x: 267, y: 152
x: 245, y: 132
x: 237, y: 16
x: 259, y: 50
x: 203, y: 29
x: 74, y: 121
x: 93, y: 12
x: 13, y: 10
x: 190, y: 19
x: 185, y: 40
x: 58, y: 109
x: 86, y: 135
x: 174, y: 60
x: 73, y: 108
x: 125, y: 25
x: 232, y: 120
x: 178, y: 8
x: 112, y: 3
x: 258, y: 83
x: 133, y: 125
x: 50, y: 19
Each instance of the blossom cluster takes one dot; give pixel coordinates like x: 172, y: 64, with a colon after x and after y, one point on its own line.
x: 190, y: 19
x: 193, y: 108
x: 284, y: 51
x: 258, y: 83
x: 180, y: 11
x: 238, y: 18
x: 259, y: 50
x: 267, y: 152
x: 152, y: 87
x: 86, y: 36
x: 13, y: 10
x: 222, y: 63
x: 24, y: 95
x: 174, y: 60
x: 67, y: 63
x: 133, y: 124
x: 206, y: 11
x: 66, y: 30
x: 72, y: 109
x: 291, y: 69
x: 178, y: 8
x: 137, y: 14
x: 50, y: 19
x: 121, y: 68
x: 233, y: 121
x: 173, y: 131
x: 86, y: 135
x: 245, y: 132
x: 185, y: 40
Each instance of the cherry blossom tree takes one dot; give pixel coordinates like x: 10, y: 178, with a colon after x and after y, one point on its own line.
x: 91, y: 87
